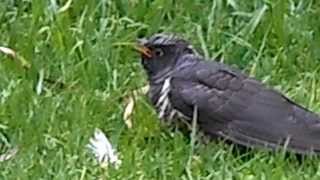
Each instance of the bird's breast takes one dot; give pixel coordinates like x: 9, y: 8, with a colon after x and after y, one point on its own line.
x: 162, y: 103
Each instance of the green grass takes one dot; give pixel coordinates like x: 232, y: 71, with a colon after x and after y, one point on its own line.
x: 276, y: 41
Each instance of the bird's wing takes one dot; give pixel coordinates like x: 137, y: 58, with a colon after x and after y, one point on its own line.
x: 242, y: 110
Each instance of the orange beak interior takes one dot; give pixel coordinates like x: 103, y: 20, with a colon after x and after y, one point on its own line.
x: 143, y: 50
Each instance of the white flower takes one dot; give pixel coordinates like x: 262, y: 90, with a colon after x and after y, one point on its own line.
x: 102, y: 149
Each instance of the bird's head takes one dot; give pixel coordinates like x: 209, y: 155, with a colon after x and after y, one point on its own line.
x: 160, y: 52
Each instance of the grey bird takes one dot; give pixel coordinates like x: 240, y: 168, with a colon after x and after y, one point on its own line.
x: 230, y: 104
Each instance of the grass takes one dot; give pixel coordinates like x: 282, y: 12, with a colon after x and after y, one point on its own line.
x: 276, y: 41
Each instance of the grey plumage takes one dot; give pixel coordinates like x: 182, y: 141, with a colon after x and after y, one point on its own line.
x: 230, y: 104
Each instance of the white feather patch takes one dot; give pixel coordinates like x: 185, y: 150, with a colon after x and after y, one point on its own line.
x: 164, y: 102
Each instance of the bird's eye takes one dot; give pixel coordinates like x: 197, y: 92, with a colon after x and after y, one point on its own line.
x: 158, y: 52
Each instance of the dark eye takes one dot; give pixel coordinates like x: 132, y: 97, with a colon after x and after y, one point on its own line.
x: 158, y: 52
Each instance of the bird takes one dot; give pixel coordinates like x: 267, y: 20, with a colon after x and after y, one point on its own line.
x: 230, y: 104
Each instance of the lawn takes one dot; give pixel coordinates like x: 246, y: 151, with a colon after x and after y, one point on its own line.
x: 80, y: 49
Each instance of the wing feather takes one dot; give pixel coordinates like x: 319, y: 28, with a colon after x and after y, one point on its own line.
x: 243, y: 110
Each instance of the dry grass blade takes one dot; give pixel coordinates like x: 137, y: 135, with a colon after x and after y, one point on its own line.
x: 24, y: 62
x: 11, y: 53
x: 39, y: 86
x: 65, y: 7
x: 144, y: 90
x: 8, y: 51
x: 8, y: 155
x: 127, y: 115
x: 128, y: 112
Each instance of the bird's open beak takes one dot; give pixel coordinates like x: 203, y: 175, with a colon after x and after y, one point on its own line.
x: 141, y: 48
